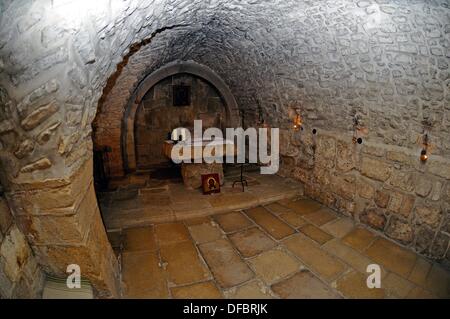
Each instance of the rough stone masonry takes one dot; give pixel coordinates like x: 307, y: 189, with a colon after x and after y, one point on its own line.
x: 386, y: 62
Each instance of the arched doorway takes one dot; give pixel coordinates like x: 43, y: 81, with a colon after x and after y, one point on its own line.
x: 171, y: 69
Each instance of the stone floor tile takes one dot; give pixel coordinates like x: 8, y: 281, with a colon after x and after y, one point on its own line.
x: 156, y: 199
x: 392, y: 256
x: 142, y: 277
x: 321, y: 216
x: 233, y: 221
x: 274, y: 265
x: 359, y: 238
x: 201, y: 290
x: 277, y: 208
x: 317, y: 259
x: 315, y: 233
x: 254, y: 289
x: 139, y: 239
x: 420, y: 272
x: 354, y: 285
x: 396, y: 286
x: 170, y: 233
x: 419, y: 293
x: 232, y: 201
x: 303, y: 206
x: 303, y: 285
x: 224, y: 262
x: 251, y: 242
x: 438, y: 282
x: 203, y: 233
x: 348, y: 255
x: 193, y: 207
x: 183, y: 263
x: 197, y: 220
x: 271, y: 224
x: 293, y: 219
x: 340, y: 227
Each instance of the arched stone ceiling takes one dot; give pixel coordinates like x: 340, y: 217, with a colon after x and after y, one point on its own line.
x: 387, y: 61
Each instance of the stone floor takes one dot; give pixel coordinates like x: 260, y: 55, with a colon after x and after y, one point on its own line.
x: 139, y: 200
x: 286, y: 249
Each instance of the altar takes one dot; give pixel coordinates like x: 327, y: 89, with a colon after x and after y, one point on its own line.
x: 194, y: 155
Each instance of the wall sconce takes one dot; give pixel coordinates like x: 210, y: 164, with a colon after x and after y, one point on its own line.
x: 426, y: 147
x: 423, y: 155
x: 298, y: 123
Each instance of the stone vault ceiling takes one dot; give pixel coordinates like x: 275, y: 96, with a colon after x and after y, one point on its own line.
x: 387, y: 61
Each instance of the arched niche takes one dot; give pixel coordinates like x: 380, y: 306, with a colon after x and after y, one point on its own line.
x: 177, y: 67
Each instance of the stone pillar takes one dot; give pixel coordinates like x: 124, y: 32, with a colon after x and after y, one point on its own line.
x: 62, y: 222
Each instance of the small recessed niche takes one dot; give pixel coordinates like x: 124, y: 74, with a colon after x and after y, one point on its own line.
x: 314, y: 131
x: 359, y: 140
x: 181, y: 95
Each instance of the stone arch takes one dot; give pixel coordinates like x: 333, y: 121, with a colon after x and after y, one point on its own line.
x: 381, y: 63
x: 175, y: 67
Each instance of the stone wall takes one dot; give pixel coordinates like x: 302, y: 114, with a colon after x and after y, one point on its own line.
x: 20, y: 274
x: 384, y: 61
x: 385, y: 187
x: 156, y: 116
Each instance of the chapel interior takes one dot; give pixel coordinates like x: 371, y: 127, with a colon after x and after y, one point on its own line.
x: 103, y: 168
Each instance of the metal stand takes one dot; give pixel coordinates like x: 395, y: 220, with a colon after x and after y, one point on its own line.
x: 242, y: 180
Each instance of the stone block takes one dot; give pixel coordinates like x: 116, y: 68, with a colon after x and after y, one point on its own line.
x: 423, y: 186
x: 226, y: 265
x: 340, y: 227
x: 39, y: 115
x: 401, y: 204
x: 233, y: 221
x: 321, y: 262
x: 381, y: 198
x: 251, y: 242
x: 205, y: 232
x: 254, y: 289
x: 393, y: 257
x: 273, y: 265
x: 303, y: 285
x: 354, y: 285
x: 69, y: 228
x: 315, y: 233
x: 359, y: 239
x: 440, y: 246
x: 170, y: 233
x: 400, y: 230
x: 401, y: 180
x: 192, y: 173
x: 139, y: 239
x: 398, y: 156
x: 325, y: 155
x: 183, y: 264
x: 344, y: 186
x: 428, y: 215
x: 142, y: 276
x: 202, y: 290
x: 375, y: 169
x: 271, y: 224
x: 439, y: 167
x: 346, y: 156
x: 14, y: 252
x: 374, y: 218
x: 5, y: 216
x: 365, y: 190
